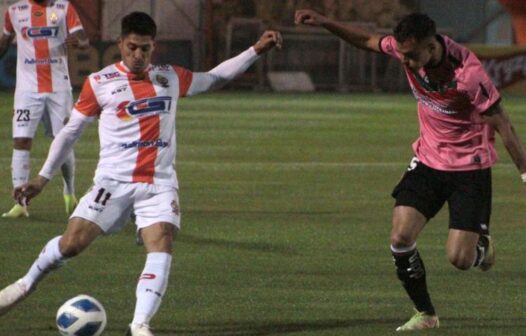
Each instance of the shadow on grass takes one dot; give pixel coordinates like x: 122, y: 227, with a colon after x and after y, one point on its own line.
x: 271, y: 328
x: 229, y: 244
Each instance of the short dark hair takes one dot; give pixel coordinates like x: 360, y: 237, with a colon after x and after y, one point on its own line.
x: 138, y: 23
x: 417, y: 25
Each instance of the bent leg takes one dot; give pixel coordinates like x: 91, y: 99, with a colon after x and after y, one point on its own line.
x: 463, y: 249
x: 52, y: 257
x: 79, y: 234
x: 154, y: 277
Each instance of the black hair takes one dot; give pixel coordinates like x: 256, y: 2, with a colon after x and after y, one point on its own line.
x: 138, y: 23
x: 417, y: 25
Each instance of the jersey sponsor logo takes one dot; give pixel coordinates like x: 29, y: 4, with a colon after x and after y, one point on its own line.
x: 39, y: 32
x: 159, y: 143
x: 144, y: 107
x: 431, y: 103
x: 43, y: 61
x: 119, y: 89
x: 22, y: 7
x: 162, y: 67
x: 38, y: 13
x: 60, y: 6
x: 106, y: 76
x: 23, y: 20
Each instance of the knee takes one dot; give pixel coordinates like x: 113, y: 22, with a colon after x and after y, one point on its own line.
x: 22, y: 143
x: 399, y: 239
x: 70, y: 246
x: 461, y: 260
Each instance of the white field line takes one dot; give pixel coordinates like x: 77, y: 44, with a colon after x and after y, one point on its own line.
x: 280, y: 164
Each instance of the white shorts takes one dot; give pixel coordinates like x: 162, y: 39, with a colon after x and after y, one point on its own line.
x: 52, y: 109
x: 110, y: 203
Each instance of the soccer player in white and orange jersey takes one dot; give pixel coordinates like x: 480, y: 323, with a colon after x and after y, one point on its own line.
x: 135, y: 104
x: 458, y: 111
x: 44, y: 29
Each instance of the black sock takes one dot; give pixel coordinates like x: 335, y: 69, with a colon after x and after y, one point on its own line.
x: 411, y: 271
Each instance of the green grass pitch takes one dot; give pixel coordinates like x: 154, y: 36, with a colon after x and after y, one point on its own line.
x: 285, y: 228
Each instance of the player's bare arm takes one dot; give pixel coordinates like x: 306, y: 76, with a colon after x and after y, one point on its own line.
x: 497, y: 118
x: 267, y: 41
x: 5, y: 42
x: 78, y: 40
x: 351, y: 33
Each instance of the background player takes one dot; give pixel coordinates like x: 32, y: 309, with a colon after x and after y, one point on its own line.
x: 135, y: 103
x: 458, y: 110
x: 45, y: 29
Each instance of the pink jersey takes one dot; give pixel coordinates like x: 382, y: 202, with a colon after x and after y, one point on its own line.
x: 42, y: 64
x: 453, y: 135
x: 137, y: 121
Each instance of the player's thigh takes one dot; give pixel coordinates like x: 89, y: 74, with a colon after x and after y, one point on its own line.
x: 79, y: 234
x: 408, y: 222
x: 158, y: 237
x: 28, y: 111
x: 57, y: 112
x: 156, y: 205
x: 470, y: 202
x: 419, y: 195
x: 461, y: 246
x: 422, y: 188
x: 108, y: 204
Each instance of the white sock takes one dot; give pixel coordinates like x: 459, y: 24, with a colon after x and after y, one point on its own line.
x: 152, y: 286
x: 20, y: 165
x: 68, y: 173
x: 49, y: 259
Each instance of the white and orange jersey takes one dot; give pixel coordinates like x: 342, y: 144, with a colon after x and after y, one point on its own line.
x: 41, y: 31
x: 136, y: 120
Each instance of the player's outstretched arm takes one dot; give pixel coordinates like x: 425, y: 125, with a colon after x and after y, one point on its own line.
x: 78, y: 40
x: 5, y: 42
x: 497, y: 118
x: 351, y: 33
x: 231, y: 68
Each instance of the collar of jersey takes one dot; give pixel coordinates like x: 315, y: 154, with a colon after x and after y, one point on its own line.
x: 123, y: 68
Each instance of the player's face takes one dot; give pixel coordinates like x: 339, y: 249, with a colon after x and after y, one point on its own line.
x: 416, y: 55
x: 136, y: 51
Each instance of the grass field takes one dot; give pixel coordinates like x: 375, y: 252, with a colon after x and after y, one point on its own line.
x: 286, y: 218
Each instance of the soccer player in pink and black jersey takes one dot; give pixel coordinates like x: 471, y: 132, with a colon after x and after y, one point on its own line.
x: 459, y: 110
x: 135, y: 104
x: 44, y: 29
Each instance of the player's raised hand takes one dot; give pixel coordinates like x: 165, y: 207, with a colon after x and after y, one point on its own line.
x: 26, y: 192
x: 309, y: 17
x: 267, y: 41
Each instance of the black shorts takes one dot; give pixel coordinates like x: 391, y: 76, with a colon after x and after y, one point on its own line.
x: 468, y: 194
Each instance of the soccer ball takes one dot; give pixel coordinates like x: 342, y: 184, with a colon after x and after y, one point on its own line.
x: 81, y: 315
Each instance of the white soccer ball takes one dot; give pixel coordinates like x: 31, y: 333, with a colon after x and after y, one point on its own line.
x: 81, y: 316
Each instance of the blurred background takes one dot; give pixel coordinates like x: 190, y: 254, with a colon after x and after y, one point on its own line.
x: 198, y: 34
